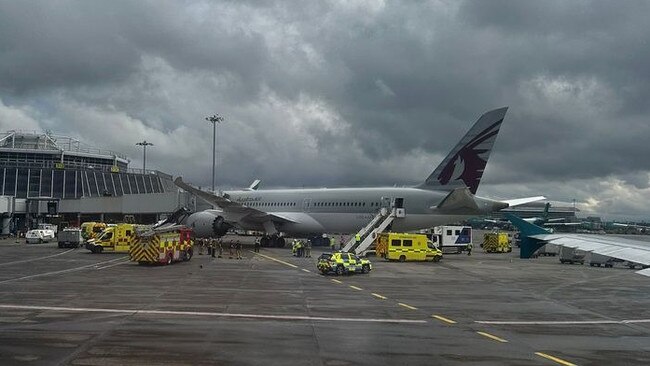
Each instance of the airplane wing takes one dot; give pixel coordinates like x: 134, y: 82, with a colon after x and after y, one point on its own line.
x: 562, y: 224
x: 521, y: 201
x: 635, y: 251
x: 233, y: 211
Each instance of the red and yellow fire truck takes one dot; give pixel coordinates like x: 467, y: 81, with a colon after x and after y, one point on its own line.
x: 162, y: 246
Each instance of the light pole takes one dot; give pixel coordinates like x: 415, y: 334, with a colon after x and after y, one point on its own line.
x: 144, y: 145
x: 214, y: 119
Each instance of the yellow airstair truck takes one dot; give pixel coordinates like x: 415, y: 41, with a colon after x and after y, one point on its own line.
x: 114, y: 239
x: 406, y: 247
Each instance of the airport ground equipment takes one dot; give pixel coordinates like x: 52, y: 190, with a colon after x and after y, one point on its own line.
x: 377, y: 225
x: 598, y: 260
x: 455, y: 238
x: 548, y: 250
x: 115, y: 239
x: 496, y: 242
x: 572, y: 255
x: 91, y: 229
x: 70, y: 237
x: 406, y: 247
x: 39, y: 236
x: 162, y: 245
x: 341, y: 263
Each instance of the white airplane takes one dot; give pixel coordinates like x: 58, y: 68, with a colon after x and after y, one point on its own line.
x: 446, y: 196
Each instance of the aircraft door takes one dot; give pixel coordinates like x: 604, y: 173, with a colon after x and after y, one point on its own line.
x: 385, y: 202
x: 306, y: 204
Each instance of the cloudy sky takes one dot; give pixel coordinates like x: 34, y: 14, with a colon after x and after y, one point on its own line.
x: 345, y: 93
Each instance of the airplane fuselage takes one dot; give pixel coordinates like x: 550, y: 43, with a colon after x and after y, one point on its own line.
x: 345, y: 210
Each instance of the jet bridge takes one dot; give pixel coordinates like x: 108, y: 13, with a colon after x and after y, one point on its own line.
x: 377, y: 225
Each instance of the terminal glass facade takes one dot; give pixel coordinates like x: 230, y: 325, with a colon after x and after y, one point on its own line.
x: 70, y: 183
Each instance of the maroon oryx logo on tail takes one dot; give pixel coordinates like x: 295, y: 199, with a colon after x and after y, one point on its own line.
x: 468, y: 163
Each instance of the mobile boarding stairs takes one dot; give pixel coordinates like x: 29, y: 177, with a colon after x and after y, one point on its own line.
x: 377, y: 225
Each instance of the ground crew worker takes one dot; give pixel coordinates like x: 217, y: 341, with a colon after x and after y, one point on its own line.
x: 469, y: 249
x: 308, y: 249
x: 332, y: 244
x: 201, y: 242
x: 256, y: 246
x: 220, y: 245
x: 231, y: 248
x: 341, y: 242
x: 357, y: 238
x: 238, y: 249
x: 213, y: 247
x: 299, y: 248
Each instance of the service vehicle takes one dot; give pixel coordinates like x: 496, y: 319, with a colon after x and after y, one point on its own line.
x: 39, y: 236
x: 452, y: 238
x: 91, y: 229
x: 406, y: 247
x: 54, y: 228
x: 162, y: 246
x: 572, y: 255
x: 342, y: 263
x: 548, y: 250
x: 116, y: 239
x: 496, y: 242
x: 597, y: 260
x: 70, y: 237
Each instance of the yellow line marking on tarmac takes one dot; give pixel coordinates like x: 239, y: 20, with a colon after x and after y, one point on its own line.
x: 305, y: 270
x: 276, y: 260
x: 378, y: 296
x: 356, y: 288
x: 337, y: 281
x: 555, y: 359
x: 407, y: 306
x: 493, y: 337
x: 442, y: 318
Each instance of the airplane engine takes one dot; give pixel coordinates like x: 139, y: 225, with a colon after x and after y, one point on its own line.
x: 219, y: 226
x: 207, y: 224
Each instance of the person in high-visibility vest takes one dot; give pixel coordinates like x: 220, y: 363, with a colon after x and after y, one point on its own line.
x: 357, y: 238
x: 332, y: 244
x: 469, y: 249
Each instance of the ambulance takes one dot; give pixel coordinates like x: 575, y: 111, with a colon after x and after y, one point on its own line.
x: 114, y: 239
x: 406, y: 247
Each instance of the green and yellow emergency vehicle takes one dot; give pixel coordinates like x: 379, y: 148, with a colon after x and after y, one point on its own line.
x: 496, y: 242
x: 343, y: 263
x: 406, y: 247
x: 92, y: 229
x: 115, y: 239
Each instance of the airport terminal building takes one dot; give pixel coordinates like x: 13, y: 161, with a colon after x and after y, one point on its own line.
x: 59, y: 179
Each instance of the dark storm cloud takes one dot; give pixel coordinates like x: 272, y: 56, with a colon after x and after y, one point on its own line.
x: 343, y: 92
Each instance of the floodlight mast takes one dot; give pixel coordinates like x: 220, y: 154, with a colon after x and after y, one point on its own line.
x: 144, y: 145
x: 214, y: 119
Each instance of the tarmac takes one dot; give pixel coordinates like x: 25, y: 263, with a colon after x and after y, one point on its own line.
x: 71, y: 307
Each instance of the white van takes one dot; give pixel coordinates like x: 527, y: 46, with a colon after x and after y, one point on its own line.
x: 39, y: 236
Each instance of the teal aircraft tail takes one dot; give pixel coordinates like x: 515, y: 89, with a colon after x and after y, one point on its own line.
x: 529, y: 245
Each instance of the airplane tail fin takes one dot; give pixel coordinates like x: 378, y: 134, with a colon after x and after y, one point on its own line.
x: 529, y: 244
x: 464, y: 165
